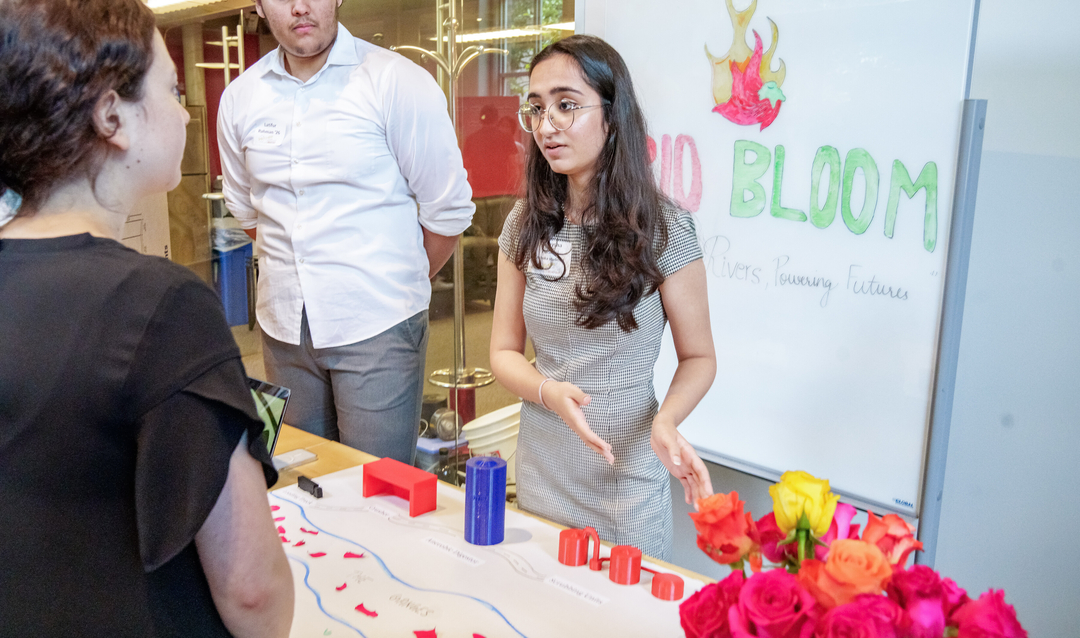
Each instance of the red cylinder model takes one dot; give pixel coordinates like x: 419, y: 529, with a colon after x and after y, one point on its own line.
x: 573, y: 547
x: 625, y: 565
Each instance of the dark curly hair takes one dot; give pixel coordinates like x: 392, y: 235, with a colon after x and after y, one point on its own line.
x: 57, y: 58
x: 623, y: 225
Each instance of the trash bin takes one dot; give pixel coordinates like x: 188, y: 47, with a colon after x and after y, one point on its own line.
x: 232, y: 253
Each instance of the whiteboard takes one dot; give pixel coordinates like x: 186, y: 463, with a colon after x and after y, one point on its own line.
x: 825, y: 277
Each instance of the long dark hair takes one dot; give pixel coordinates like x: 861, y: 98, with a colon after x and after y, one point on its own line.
x: 57, y: 58
x: 623, y: 224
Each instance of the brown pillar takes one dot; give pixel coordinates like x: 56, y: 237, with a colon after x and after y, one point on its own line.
x: 194, y: 80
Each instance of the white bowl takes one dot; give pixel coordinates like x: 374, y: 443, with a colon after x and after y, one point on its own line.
x: 494, y: 435
x: 492, y: 421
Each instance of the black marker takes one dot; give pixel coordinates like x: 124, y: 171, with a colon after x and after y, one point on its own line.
x: 309, y: 486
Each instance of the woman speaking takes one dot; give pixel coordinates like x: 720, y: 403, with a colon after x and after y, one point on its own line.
x: 594, y: 261
x: 132, y: 481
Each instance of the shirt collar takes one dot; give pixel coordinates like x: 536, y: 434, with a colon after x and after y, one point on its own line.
x: 342, y: 53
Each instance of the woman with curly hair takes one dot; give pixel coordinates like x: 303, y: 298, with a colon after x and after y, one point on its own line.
x: 594, y: 261
x: 132, y: 477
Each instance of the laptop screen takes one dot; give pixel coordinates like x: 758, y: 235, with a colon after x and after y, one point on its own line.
x: 270, y: 401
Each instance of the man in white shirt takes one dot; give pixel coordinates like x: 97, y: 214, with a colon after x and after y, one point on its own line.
x: 342, y: 155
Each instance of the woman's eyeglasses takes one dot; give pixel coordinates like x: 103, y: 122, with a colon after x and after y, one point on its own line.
x: 561, y: 117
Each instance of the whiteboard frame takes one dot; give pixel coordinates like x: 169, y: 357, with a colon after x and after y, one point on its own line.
x: 590, y: 17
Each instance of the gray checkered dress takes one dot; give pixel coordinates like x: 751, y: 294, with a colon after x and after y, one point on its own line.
x: 558, y: 477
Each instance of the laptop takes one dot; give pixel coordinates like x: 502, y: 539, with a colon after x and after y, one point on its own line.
x: 270, y: 401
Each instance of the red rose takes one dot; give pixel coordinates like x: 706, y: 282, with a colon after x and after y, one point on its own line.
x: 867, y: 616
x: 921, y: 594
x: 989, y: 617
x: 705, y: 614
x: 725, y: 533
x: 770, y: 534
x: 773, y: 605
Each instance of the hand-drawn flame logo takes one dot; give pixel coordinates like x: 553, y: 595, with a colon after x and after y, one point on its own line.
x: 746, y: 89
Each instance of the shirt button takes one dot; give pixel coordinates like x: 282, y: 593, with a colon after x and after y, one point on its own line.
x: 296, y: 161
x: 301, y: 191
x: 301, y: 260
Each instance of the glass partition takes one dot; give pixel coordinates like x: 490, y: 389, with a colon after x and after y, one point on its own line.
x: 478, y: 51
x: 485, y: 72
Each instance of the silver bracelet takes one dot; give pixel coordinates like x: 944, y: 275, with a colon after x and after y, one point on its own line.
x: 540, y: 392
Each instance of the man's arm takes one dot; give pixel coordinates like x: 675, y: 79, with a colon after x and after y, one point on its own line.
x: 439, y: 248
x: 236, y: 183
x: 422, y: 139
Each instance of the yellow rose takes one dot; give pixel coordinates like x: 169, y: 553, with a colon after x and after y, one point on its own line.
x: 798, y: 494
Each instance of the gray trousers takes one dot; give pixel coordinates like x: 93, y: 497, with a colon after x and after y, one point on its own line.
x: 366, y: 394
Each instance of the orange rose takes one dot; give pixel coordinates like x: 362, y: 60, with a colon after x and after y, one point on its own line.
x: 725, y: 533
x: 853, y: 567
x: 893, y: 536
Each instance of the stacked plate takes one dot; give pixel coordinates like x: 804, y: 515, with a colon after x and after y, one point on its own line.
x: 495, y: 434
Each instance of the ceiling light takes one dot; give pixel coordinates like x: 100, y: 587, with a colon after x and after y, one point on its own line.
x: 167, y: 6
x: 512, y: 34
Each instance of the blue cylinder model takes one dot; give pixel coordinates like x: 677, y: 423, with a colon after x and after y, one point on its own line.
x: 485, y: 500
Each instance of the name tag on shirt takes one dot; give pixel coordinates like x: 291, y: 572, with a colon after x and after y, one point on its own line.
x: 551, y: 267
x: 269, y: 134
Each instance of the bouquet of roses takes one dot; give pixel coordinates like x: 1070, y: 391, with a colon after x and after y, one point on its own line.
x: 827, y: 580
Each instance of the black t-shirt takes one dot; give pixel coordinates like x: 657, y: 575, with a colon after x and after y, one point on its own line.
x: 122, y: 397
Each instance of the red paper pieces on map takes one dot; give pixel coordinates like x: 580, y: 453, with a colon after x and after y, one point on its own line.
x: 309, y: 531
x: 352, y: 555
x: 430, y: 633
x: 343, y: 586
x: 285, y: 540
x: 317, y: 554
x: 300, y: 543
x: 279, y: 519
x: 477, y: 636
x: 280, y: 529
x: 274, y: 508
x: 367, y: 612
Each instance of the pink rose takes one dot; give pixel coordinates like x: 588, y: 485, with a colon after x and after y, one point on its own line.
x: 770, y: 534
x: 921, y: 594
x: 840, y: 527
x: 989, y: 617
x: 705, y: 614
x: 955, y: 598
x: 773, y: 605
x: 867, y: 616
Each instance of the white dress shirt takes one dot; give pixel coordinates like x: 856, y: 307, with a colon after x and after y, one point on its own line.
x: 339, y: 173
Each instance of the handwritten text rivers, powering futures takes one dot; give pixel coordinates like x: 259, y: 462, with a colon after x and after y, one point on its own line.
x: 785, y: 274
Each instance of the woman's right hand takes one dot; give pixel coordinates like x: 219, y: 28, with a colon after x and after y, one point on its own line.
x: 566, y: 400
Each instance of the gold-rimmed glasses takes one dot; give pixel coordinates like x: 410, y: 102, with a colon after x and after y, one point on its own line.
x: 561, y: 117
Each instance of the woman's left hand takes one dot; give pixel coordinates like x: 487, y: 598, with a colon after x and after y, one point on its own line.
x: 679, y: 457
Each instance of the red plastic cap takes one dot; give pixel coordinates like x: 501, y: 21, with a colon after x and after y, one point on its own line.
x: 667, y: 587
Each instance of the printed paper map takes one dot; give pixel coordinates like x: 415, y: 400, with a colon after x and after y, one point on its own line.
x: 363, y: 567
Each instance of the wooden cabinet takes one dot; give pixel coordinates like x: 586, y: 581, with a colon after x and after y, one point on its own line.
x: 189, y: 213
